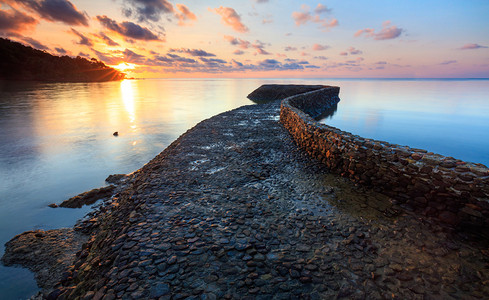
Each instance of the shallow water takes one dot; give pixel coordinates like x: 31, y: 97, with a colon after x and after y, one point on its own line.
x: 56, y: 139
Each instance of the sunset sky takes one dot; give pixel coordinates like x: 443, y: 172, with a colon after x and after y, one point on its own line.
x: 261, y: 38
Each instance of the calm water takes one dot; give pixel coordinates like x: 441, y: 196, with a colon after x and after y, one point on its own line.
x: 56, y: 139
x: 449, y: 117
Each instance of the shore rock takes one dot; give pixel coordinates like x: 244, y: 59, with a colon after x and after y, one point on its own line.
x: 46, y: 253
x: 89, y: 197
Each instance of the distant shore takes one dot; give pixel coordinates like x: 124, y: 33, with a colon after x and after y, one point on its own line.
x: 24, y: 63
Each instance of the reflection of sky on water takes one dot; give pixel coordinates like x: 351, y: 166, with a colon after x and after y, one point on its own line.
x: 446, y: 117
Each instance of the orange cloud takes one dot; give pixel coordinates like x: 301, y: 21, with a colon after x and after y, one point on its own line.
x: 184, y: 15
x: 230, y: 18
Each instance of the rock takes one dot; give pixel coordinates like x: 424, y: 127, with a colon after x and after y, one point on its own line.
x: 159, y: 289
x: 115, y: 178
x: 53, y: 205
x: 47, y: 253
x: 89, y: 197
x: 448, y: 217
x: 116, y: 133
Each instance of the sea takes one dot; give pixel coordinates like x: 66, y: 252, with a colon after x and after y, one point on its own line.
x: 57, y: 139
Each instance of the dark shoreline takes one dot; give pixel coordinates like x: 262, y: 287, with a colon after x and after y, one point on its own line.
x: 233, y: 209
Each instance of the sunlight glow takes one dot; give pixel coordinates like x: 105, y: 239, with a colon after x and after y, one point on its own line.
x: 127, y: 92
x: 123, y: 66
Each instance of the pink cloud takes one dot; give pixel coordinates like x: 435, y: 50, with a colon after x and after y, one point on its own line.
x: 305, y: 16
x: 354, y: 51
x: 231, y: 18
x: 471, y: 46
x: 387, y: 32
x: 318, y: 47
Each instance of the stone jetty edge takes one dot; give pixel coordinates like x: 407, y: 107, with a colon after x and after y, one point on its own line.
x: 451, y: 190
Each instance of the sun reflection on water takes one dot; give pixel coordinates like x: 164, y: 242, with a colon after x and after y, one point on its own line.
x: 128, y: 88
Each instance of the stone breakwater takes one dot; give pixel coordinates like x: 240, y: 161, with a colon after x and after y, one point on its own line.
x: 451, y: 190
x: 234, y: 210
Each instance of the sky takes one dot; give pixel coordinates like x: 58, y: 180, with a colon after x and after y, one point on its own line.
x: 261, y: 38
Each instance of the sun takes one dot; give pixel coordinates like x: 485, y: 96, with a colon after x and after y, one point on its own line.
x: 124, y: 66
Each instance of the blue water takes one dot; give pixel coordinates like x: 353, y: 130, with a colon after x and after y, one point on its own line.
x: 449, y: 117
x: 56, y: 139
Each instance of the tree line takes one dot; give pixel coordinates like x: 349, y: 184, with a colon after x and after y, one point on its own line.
x: 19, y: 62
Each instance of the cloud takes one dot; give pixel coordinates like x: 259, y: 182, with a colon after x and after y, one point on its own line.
x: 193, y: 52
x: 84, y: 54
x: 213, y: 62
x: 266, y: 21
x: 318, y: 47
x: 354, y: 51
x: 83, y: 39
x: 133, y: 57
x: 231, y: 18
x: 178, y: 58
x: 147, y: 10
x: 343, y: 53
x: 321, y: 57
x: 260, y: 48
x: 448, y: 62
x: 321, y: 9
x: 387, y: 32
x: 60, y: 50
x: 290, y: 48
x: 56, y: 10
x: 107, y: 39
x: 471, y: 46
x: 128, y: 29
x: 15, y: 21
x: 305, y: 16
x: 238, y: 52
x: 34, y: 43
x: 184, y: 14
x: 107, y: 58
x: 261, y: 1
x: 237, y: 42
x: 152, y: 11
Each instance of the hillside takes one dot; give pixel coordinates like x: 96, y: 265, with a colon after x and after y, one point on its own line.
x: 19, y: 62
